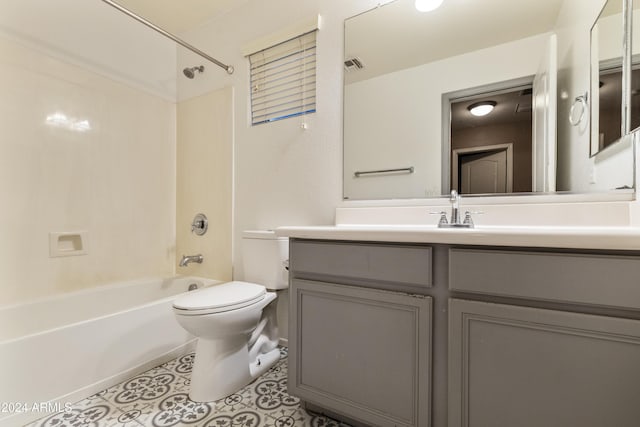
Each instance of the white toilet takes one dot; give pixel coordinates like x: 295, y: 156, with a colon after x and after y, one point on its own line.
x: 235, y: 322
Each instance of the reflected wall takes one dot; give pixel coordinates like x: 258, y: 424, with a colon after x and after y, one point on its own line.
x: 395, y: 120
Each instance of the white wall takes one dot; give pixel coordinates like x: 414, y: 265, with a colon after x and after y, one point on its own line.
x: 395, y: 120
x: 283, y: 175
x: 115, y: 181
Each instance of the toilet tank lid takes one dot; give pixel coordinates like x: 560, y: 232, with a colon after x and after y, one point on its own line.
x: 219, y: 296
x: 261, y: 234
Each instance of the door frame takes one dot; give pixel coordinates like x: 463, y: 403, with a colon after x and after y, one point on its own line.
x: 461, y: 95
x: 455, y: 161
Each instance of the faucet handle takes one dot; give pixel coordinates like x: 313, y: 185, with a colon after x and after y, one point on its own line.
x: 467, y: 217
x: 443, y: 217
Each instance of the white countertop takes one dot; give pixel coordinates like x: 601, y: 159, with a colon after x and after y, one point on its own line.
x: 612, y: 238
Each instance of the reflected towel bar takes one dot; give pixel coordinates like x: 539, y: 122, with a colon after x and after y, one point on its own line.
x: 167, y: 34
x: 358, y: 174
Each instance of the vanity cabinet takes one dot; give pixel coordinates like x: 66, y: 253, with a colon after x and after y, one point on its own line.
x: 391, y: 334
x: 545, y: 355
x: 361, y: 352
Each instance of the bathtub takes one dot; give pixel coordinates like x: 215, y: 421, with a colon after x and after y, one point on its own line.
x: 59, y: 350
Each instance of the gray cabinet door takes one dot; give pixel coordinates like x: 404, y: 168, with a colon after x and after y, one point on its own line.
x: 362, y: 353
x: 519, y: 366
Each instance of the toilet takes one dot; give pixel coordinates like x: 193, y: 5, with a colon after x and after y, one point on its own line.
x: 235, y: 322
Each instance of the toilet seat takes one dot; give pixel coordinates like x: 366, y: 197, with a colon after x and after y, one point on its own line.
x: 217, y: 299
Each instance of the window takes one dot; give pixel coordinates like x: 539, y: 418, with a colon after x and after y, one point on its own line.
x: 283, y: 80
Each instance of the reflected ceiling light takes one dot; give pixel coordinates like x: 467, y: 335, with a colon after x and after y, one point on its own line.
x: 428, y: 5
x: 481, y: 108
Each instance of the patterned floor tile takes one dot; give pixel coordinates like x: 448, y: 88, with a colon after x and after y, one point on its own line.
x: 119, y: 418
x: 269, y: 396
x: 91, y: 412
x: 277, y: 371
x: 143, y: 390
x: 159, y: 398
x: 298, y: 417
x: 240, y: 400
x: 178, y: 410
x: 181, y: 366
x: 243, y: 418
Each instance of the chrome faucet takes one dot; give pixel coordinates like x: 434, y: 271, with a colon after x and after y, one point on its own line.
x: 454, y: 199
x: 455, y: 222
x: 187, y: 259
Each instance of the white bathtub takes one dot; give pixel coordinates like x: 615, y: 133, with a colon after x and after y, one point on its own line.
x: 66, y: 348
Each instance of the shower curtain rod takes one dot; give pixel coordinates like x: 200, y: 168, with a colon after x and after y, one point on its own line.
x: 167, y: 34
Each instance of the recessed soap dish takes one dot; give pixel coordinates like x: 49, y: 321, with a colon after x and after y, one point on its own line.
x: 67, y: 243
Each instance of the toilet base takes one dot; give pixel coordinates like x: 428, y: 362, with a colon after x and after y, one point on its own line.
x: 222, y: 367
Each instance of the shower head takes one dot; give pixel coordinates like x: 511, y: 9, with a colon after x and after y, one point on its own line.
x: 191, y: 72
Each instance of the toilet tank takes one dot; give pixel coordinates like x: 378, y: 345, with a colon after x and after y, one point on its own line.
x: 264, y: 256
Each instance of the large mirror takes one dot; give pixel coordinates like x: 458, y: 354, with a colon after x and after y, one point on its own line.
x: 607, y: 102
x: 409, y: 74
x: 615, y: 74
x: 635, y: 67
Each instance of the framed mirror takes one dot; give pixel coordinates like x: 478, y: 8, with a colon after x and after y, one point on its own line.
x: 401, y: 64
x: 403, y: 67
x: 635, y: 67
x: 615, y: 78
x: 607, y: 101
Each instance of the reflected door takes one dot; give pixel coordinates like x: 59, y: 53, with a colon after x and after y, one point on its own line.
x: 483, y: 170
x: 482, y: 173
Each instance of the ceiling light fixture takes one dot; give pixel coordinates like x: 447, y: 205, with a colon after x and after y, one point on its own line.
x: 428, y: 5
x: 481, y: 108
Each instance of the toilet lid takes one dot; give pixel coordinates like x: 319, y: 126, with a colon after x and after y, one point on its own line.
x: 225, y: 297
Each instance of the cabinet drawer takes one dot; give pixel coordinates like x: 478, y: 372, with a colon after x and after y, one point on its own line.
x: 607, y: 280
x: 377, y: 263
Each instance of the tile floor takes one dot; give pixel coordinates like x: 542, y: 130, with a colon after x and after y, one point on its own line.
x: 159, y: 398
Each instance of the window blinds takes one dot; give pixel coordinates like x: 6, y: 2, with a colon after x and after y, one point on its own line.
x: 283, y: 80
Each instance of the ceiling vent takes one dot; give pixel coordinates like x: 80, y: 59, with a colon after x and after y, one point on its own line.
x: 523, y: 108
x: 353, y: 64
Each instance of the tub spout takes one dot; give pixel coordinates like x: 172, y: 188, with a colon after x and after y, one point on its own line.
x: 187, y: 259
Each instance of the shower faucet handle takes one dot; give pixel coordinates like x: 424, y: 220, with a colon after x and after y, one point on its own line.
x: 200, y: 224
